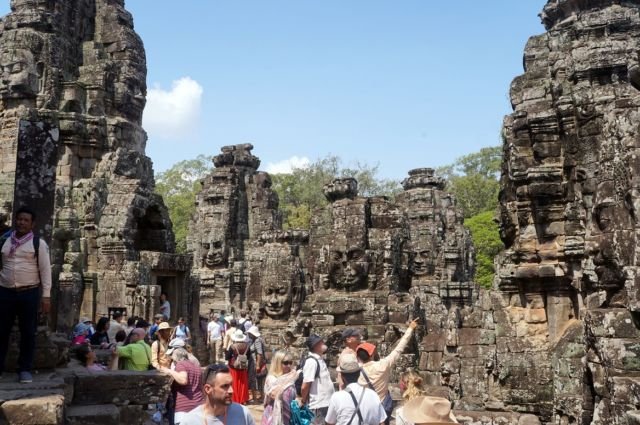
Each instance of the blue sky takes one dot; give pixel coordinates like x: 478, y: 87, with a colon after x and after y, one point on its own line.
x: 406, y: 84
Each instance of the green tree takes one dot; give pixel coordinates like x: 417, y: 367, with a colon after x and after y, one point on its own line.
x: 179, y: 186
x: 473, y: 179
x: 486, y: 240
x: 300, y: 192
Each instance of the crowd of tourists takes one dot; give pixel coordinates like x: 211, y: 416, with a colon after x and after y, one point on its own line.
x: 243, y: 370
x: 240, y: 371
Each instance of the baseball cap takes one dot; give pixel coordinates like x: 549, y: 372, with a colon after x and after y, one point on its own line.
x: 368, y: 347
x: 313, y: 340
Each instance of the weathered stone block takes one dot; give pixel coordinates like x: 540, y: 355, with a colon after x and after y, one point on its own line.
x: 434, y: 341
x: 434, y: 362
x: 42, y: 410
x: 120, y: 388
x: 133, y: 415
x: 105, y: 414
x: 612, y: 323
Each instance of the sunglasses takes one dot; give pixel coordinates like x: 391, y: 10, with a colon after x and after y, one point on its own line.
x: 287, y: 362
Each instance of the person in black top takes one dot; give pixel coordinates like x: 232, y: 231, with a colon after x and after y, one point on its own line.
x: 101, y: 337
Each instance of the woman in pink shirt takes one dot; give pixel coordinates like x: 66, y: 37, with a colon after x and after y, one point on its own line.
x: 87, y: 357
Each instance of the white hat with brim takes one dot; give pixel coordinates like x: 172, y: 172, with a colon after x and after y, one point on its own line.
x: 238, y: 336
x: 175, y: 343
x: 429, y: 411
x: 253, y: 330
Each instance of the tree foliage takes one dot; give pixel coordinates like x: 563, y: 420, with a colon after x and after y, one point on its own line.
x: 300, y: 192
x: 486, y: 240
x: 179, y: 186
x: 473, y: 179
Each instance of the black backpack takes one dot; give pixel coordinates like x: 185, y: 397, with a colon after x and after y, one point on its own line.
x: 36, y: 245
x: 300, y: 378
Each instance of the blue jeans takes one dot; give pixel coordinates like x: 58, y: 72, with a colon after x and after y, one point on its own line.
x: 24, y: 305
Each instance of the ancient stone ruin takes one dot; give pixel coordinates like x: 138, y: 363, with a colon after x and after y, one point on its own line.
x: 568, y: 280
x: 555, y: 341
x: 369, y: 263
x: 72, y: 146
x: 71, y: 99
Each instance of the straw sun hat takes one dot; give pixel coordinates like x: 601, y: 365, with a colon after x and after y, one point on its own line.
x: 429, y: 411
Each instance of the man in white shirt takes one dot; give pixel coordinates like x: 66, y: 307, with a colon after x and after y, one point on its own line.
x: 214, y: 340
x: 165, y: 306
x: 355, y: 405
x: 25, y: 285
x: 115, y: 326
x: 317, y: 387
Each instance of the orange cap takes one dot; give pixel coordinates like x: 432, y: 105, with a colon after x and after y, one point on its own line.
x: 368, y: 347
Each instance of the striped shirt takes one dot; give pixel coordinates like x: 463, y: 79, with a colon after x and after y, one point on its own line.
x: 189, y: 396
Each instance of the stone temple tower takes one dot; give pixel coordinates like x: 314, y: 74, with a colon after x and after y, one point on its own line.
x: 72, y: 93
x: 569, y: 279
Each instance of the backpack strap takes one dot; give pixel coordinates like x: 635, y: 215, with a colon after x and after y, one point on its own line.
x: 317, y: 366
x: 357, y: 406
x: 367, y: 379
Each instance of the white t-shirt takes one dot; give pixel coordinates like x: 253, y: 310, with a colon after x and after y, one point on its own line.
x: 237, y: 414
x: 215, y: 331
x: 114, y: 328
x: 321, y: 388
x: 342, y: 408
x: 165, y: 309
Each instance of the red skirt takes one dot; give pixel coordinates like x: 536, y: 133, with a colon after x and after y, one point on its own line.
x: 240, y: 385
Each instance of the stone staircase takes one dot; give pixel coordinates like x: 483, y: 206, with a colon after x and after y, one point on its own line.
x: 75, y: 396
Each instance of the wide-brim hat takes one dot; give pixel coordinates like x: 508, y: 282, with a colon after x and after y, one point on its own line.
x: 228, y: 319
x: 253, y: 330
x: 427, y: 410
x: 173, y: 344
x: 348, y: 363
x: 164, y: 325
x: 238, y: 336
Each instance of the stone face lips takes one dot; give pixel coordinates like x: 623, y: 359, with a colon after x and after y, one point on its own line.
x: 568, y: 212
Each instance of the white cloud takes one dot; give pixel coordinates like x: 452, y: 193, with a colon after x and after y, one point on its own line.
x: 174, y: 113
x: 286, y: 166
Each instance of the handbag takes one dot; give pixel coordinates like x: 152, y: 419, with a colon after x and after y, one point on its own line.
x: 300, y: 415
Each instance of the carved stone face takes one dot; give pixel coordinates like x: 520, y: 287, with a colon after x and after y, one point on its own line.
x: 349, y: 269
x: 215, y: 253
x: 422, y: 263
x: 19, y: 74
x: 277, y: 296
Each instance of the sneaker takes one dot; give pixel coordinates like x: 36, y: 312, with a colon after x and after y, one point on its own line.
x: 25, y: 377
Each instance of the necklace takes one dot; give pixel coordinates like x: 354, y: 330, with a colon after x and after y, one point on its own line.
x: 204, y: 416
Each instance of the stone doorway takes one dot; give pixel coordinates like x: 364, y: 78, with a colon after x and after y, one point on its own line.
x: 170, y: 285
